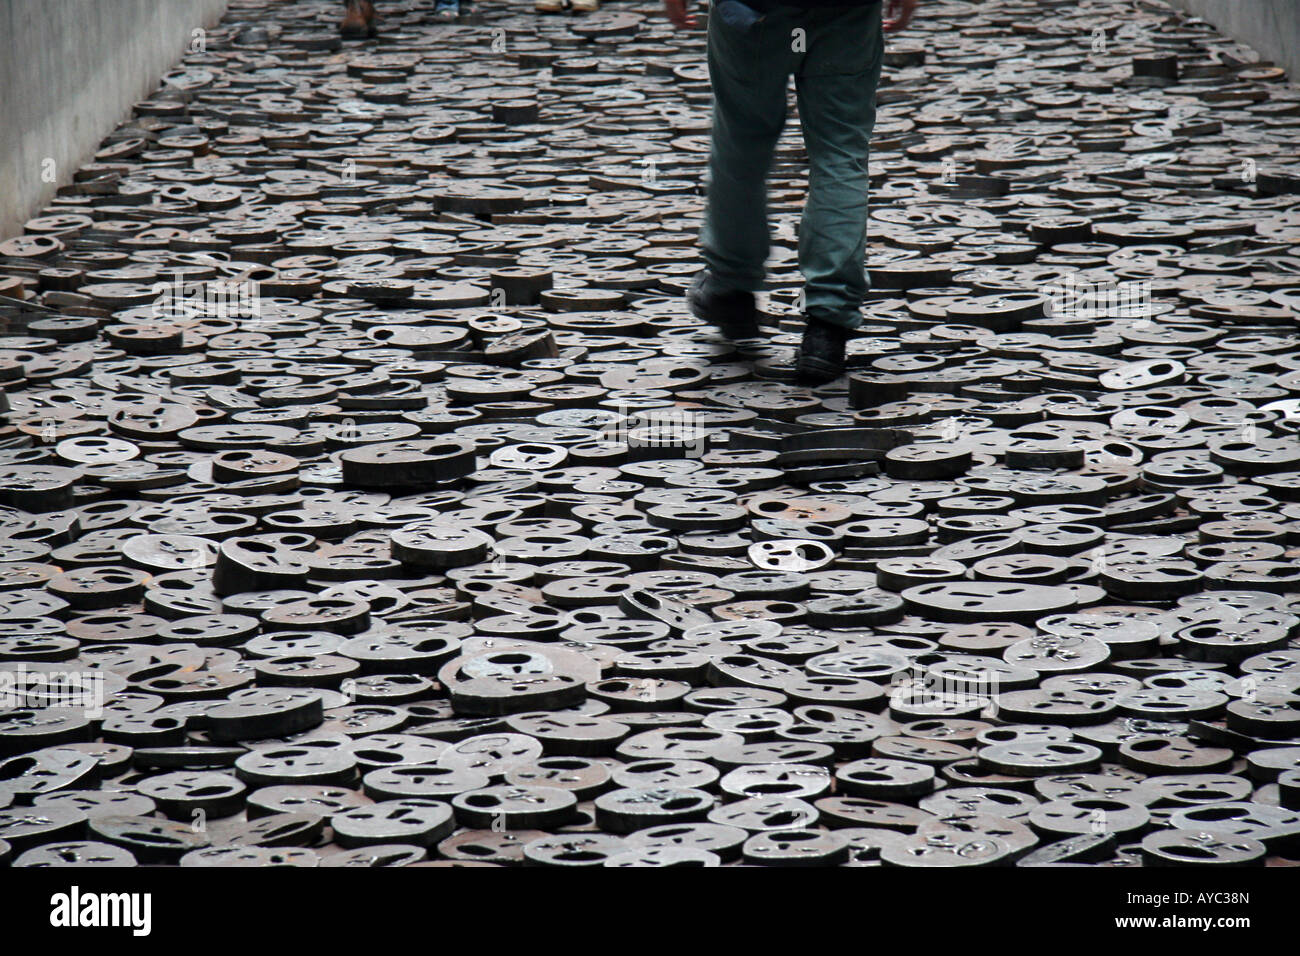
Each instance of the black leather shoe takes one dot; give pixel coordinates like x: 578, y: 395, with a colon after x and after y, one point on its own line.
x: 733, y: 313
x: 821, y: 356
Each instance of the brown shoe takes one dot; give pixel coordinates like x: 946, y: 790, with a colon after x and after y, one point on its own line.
x: 358, y: 19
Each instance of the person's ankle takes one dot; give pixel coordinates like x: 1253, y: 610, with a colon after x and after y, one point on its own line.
x: 731, y: 310
x: 822, y: 351
x: 826, y: 327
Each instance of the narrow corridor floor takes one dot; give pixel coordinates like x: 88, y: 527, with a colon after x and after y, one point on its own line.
x: 370, y: 497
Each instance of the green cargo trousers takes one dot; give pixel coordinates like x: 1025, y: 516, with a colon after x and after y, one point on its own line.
x: 834, y: 54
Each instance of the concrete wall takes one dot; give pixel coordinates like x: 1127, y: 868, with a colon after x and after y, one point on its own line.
x: 1271, y: 27
x: 69, y: 72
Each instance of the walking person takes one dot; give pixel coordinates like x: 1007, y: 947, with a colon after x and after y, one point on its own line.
x: 833, y: 48
x: 360, y: 20
x: 570, y: 6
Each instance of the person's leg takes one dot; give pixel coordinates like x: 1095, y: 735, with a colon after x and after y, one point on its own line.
x: 837, y: 109
x: 749, y: 71
x: 358, y: 19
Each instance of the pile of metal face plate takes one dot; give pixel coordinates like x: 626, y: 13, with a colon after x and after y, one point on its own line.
x: 370, y: 497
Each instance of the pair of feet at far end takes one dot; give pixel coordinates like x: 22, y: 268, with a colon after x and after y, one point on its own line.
x: 567, y: 6
x: 821, y: 354
x: 359, y: 18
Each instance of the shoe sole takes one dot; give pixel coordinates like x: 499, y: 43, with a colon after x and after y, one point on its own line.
x: 818, y: 370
